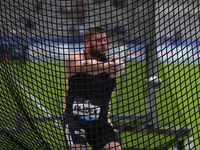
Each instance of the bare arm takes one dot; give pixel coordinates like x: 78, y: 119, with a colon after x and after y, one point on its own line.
x: 94, y: 67
x: 77, y: 63
x: 109, y: 121
x: 66, y: 94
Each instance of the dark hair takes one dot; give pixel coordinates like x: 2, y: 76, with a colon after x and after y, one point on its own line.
x: 92, y: 31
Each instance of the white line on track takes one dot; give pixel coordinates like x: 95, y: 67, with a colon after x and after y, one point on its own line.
x: 35, y: 100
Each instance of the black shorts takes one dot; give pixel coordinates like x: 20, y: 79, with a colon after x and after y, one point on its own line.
x: 97, y: 136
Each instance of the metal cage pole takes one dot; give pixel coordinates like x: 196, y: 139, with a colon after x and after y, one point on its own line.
x: 151, y: 63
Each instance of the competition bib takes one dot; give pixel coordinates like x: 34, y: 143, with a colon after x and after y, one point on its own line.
x: 85, y: 110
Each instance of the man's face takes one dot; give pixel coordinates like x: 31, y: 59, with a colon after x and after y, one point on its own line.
x: 98, y: 45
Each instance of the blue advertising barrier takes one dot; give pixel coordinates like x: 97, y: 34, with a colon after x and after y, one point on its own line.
x: 17, y: 40
x: 168, y: 50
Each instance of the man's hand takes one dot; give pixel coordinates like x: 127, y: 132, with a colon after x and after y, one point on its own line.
x: 119, y: 63
x: 111, y: 67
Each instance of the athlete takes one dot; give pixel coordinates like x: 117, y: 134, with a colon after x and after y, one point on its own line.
x: 91, y: 80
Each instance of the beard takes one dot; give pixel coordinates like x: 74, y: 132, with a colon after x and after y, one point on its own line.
x: 98, y: 53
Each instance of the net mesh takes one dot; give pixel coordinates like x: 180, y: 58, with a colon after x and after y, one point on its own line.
x: 154, y: 104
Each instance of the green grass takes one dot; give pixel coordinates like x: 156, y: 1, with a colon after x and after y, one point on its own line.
x: 177, y: 101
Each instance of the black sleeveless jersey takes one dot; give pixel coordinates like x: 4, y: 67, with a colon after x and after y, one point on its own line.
x: 89, y: 94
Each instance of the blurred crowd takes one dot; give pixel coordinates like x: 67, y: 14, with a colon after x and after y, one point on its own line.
x: 75, y: 11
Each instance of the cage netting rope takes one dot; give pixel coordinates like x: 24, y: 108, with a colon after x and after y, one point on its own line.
x: 151, y: 99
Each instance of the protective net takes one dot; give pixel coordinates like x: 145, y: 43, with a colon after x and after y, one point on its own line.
x: 130, y: 82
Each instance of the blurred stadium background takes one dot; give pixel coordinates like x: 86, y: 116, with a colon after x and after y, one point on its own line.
x: 36, y: 37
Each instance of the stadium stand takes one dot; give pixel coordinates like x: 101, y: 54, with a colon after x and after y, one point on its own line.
x: 50, y: 20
